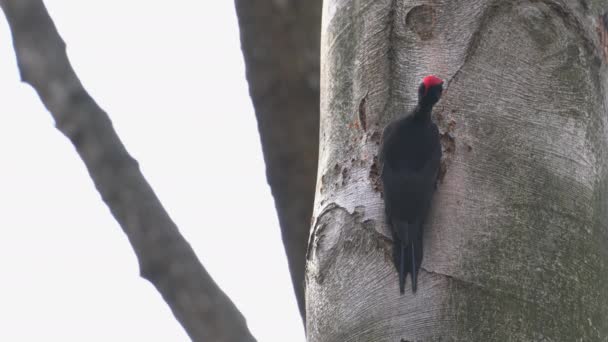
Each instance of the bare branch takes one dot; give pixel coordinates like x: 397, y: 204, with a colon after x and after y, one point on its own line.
x: 165, y: 257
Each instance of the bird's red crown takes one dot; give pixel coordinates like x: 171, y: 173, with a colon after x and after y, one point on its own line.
x: 431, y: 80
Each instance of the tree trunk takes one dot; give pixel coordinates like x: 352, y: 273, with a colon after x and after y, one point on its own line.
x: 516, y: 246
x: 280, y: 43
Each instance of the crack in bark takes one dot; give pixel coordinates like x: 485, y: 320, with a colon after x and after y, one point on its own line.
x: 363, y: 112
x: 489, y: 12
x: 315, y: 225
x: 390, y: 55
x: 490, y: 291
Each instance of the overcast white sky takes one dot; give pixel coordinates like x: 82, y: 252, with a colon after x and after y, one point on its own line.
x: 171, y: 77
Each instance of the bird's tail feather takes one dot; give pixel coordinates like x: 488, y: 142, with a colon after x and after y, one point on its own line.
x: 413, y: 265
x: 403, y: 261
x: 402, y: 271
x: 407, y: 256
x: 407, y: 259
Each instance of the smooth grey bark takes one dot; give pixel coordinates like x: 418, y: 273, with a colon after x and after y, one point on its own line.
x: 516, y: 246
x: 280, y: 42
x: 165, y: 257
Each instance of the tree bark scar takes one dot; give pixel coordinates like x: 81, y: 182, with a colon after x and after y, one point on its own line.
x: 374, y: 175
x: 362, y: 113
x: 602, y: 32
x: 573, y: 21
x: 449, y: 145
x: 421, y: 19
x: 390, y: 54
x: 447, y: 135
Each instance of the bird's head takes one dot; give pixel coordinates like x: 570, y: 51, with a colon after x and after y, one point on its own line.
x: 430, y: 90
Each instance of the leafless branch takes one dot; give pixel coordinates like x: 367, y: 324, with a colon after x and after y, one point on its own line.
x: 165, y: 257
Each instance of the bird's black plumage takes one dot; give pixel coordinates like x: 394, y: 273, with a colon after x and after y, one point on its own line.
x: 410, y: 155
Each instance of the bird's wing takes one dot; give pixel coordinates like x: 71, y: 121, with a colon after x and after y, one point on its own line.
x: 386, y: 134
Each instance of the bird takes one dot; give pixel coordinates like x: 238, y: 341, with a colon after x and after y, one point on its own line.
x: 410, y: 154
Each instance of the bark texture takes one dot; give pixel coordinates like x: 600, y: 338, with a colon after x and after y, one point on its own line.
x: 280, y: 42
x: 516, y: 246
x: 165, y: 257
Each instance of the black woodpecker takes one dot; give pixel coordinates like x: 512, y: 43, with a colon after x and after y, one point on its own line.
x: 410, y: 155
